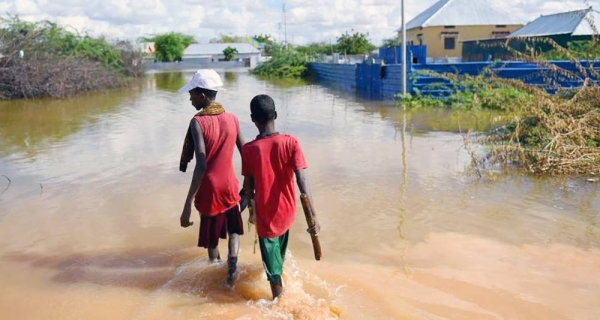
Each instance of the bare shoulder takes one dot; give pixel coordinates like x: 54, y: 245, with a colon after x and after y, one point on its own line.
x: 231, y: 115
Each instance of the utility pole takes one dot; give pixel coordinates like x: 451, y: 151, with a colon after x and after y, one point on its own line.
x: 284, y: 25
x: 403, y: 51
x: 279, y: 27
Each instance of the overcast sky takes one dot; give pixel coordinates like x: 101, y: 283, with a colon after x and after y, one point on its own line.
x: 307, y: 20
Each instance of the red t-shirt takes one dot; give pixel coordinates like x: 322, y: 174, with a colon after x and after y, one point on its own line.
x: 219, y: 188
x: 272, y: 161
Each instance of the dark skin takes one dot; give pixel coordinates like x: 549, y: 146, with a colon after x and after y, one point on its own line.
x: 201, y: 101
x: 266, y: 128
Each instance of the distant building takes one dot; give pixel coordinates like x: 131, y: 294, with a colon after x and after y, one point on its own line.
x: 447, y: 23
x: 204, y: 53
x: 561, y: 27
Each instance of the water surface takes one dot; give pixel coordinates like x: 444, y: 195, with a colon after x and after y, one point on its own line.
x: 89, y: 226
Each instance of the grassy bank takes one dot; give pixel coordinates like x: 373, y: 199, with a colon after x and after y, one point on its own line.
x: 548, y: 134
x: 551, y: 134
x: 45, y: 60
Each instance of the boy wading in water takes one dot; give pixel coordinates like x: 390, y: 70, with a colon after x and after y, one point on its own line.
x: 212, y: 137
x: 268, y: 165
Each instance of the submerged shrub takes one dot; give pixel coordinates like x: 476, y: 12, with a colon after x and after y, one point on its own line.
x: 284, y: 63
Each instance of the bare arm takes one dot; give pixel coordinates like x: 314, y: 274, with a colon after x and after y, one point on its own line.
x: 302, y: 182
x: 240, y: 142
x: 199, y: 170
x: 249, y: 194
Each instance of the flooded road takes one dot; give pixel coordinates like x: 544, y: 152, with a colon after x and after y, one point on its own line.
x: 89, y: 219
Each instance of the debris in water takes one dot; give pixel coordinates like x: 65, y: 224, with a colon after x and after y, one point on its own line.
x: 593, y: 179
x: 8, y: 186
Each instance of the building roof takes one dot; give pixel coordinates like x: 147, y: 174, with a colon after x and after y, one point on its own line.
x: 208, y: 49
x: 461, y: 13
x: 576, y: 23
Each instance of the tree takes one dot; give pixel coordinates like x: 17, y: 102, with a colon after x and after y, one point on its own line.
x: 224, y: 38
x: 580, y: 50
x: 266, y: 38
x: 267, y: 42
x: 285, y: 63
x: 356, y: 43
x: 229, y: 53
x: 315, y: 48
x: 170, y: 46
x: 390, y: 42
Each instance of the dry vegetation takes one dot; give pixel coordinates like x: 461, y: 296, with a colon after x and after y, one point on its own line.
x: 44, y: 60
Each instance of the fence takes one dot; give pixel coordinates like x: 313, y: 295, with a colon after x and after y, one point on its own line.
x: 415, y: 54
x: 379, y: 81
x: 340, y: 76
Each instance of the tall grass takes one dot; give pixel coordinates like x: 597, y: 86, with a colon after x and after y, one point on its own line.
x: 552, y: 134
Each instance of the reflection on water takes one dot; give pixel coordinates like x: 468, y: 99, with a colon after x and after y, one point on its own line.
x: 230, y: 77
x: 285, y: 82
x: 406, y: 233
x: 444, y: 120
x: 169, y: 81
x: 25, y: 124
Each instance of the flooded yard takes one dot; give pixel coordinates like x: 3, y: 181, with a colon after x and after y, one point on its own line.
x: 89, y: 215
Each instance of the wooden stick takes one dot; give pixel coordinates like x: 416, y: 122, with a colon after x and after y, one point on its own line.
x: 310, y: 220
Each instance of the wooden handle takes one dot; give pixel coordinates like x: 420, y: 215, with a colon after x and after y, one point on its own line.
x: 316, y: 246
x: 310, y: 220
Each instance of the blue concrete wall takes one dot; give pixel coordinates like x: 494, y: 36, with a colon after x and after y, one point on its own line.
x: 392, y: 82
x: 377, y: 81
x: 340, y: 76
x: 394, y: 55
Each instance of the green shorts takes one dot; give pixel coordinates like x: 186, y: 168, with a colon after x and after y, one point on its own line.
x: 272, y: 251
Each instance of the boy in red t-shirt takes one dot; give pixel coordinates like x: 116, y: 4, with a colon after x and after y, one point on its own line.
x: 268, y: 165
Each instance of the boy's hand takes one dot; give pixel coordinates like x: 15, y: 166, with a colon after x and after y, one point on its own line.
x: 251, y: 218
x: 314, y: 230
x: 184, y: 220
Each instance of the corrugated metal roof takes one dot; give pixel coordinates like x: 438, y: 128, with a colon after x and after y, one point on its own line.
x: 462, y: 13
x: 577, y: 23
x: 200, y: 49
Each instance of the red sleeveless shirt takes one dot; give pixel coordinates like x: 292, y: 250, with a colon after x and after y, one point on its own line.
x: 218, y: 191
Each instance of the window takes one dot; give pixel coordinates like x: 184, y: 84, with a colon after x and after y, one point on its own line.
x: 449, y: 43
x: 449, y: 27
x: 420, y: 38
x: 500, y: 34
x: 500, y: 26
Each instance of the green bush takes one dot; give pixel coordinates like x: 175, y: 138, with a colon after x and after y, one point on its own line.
x: 284, y: 63
x: 170, y: 46
x: 45, y: 38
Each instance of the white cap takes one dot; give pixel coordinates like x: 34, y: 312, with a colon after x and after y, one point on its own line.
x: 203, y: 78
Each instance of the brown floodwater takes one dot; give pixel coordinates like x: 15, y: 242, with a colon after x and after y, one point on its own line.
x: 89, y: 220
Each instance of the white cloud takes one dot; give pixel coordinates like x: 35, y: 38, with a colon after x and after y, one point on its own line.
x: 26, y: 7
x: 307, y: 20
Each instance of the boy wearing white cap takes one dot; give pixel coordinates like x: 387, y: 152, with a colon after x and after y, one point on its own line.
x: 212, y: 137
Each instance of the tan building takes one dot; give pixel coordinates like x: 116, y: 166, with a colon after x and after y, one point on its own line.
x: 447, y: 23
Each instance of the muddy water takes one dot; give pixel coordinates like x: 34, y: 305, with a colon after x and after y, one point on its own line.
x: 89, y: 223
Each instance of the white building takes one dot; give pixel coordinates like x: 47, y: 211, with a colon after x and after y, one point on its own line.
x: 205, y: 53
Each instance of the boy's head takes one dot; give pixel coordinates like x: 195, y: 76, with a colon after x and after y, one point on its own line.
x: 203, y: 87
x: 262, y: 109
